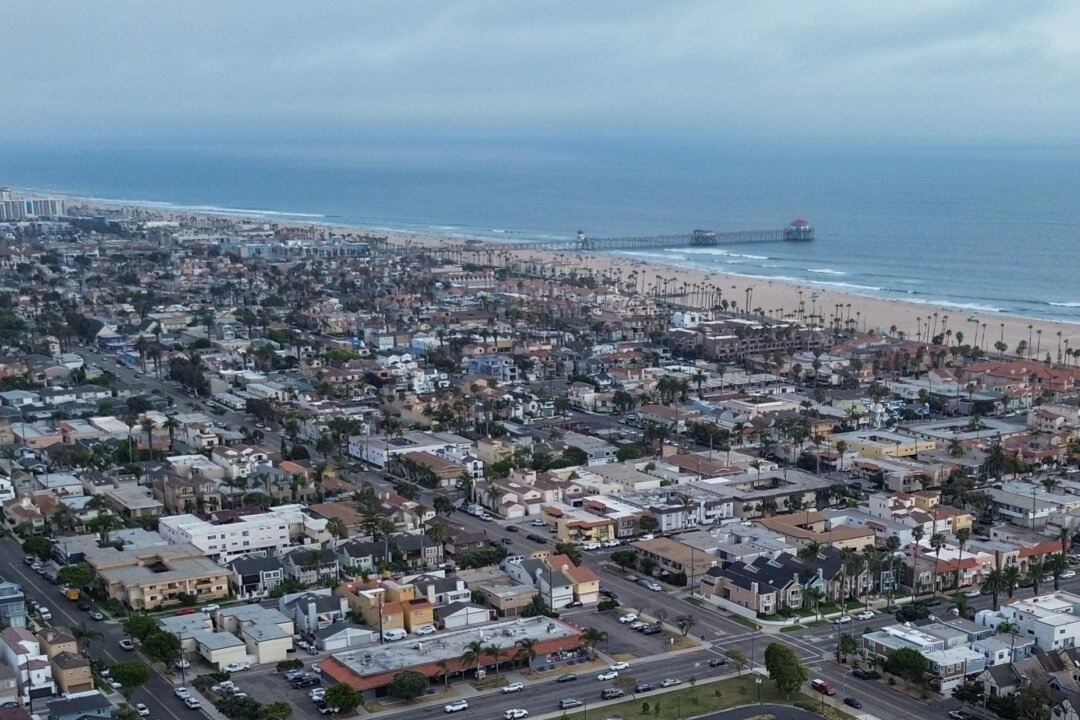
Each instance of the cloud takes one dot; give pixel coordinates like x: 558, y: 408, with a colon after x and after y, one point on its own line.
x: 124, y: 69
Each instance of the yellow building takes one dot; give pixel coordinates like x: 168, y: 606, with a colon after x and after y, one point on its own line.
x: 371, y: 603
x: 153, y: 577
x: 417, y: 612
x: 882, y: 443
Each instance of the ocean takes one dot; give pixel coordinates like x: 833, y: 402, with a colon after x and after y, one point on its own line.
x: 984, y: 229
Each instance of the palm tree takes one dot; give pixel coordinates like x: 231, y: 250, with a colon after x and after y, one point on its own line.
x: 841, y: 448
x: 993, y: 584
x: 444, y: 666
x: 1056, y: 564
x: 814, y: 595
x: 336, y: 527
x: 592, y: 637
x: 1011, y: 578
x: 495, y: 652
x: 937, y: 541
x: 917, y: 534
x: 494, y: 495
x: 892, y: 545
x: 147, y: 426
x: 1035, y: 573
x: 473, y: 652
x: 84, y: 635
x: 526, y: 652
x: 171, y: 424
x: 962, y: 536
x: 810, y: 550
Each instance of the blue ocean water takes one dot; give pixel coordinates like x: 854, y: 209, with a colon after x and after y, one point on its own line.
x: 988, y: 229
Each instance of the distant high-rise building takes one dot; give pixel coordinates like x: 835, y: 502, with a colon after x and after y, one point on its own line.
x: 15, y: 209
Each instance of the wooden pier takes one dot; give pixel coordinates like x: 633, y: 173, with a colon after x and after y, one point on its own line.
x: 798, y: 231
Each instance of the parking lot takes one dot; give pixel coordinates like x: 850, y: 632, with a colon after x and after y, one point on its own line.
x: 622, y: 641
x: 265, y: 683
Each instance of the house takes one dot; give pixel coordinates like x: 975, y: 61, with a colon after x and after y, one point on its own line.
x: 254, y: 576
x: 586, y: 585
x: 460, y: 541
x: 419, y: 550
x: 461, y: 615
x: 417, y: 612
x: 310, y: 567
x: 12, y: 604
x: 361, y: 556
x: 21, y: 649
x: 92, y: 705
x: 239, y: 460
x: 370, y: 602
x: 312, y: 611
x: 442, y: 590
x: 72, y: 673
x: 554, y: 586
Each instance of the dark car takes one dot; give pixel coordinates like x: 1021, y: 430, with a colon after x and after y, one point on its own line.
x: 931, y: 602
x: 717, y: 662
x: 512, y: 528
x: 568, y: 677
x: 536, y: 538
x: 644, y: 687
x: 84, y: 606
x: 652, y: 630
x: 305, y: 682
x: 507, y: 541
x: 608, y: 593
x: 865, y: 674
x: 853, y: 702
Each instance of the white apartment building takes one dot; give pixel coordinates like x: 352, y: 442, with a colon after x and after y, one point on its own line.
x: 225, y: 540
x: 21, y: 651
x: 377, y: 449
x: 239, y: 460
x: 1051, y: 620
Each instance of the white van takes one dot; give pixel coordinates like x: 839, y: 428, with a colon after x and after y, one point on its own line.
x: 396, y: 634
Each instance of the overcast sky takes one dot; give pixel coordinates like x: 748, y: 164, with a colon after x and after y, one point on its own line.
x: 161, y: 71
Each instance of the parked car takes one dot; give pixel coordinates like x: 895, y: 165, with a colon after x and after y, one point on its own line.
x: 961, y: 715
x: 192, y: 703
x: 670, y: 682
x: 865, y: 674
x: 515, y: 714
x: 512, y: 528
x: 865, y: 615
x: 653, y: 630
x: 610, y: 594
x: 568, y: 677
x: 650, y: 584
x: 567, y: 703
x: 591, y: 546
x: 456, y: 706
x: 610, y: 693
x: 238, y: 667
x: 575, y: 604
x: 95, y: 615
x: 127, y: 644
x: 822, y: 687
x: 181, y: 692
x: 842, y: 620
x: 628, y: 618
x: 644, y: 687
x: 607, y: 675
x: 1067, y: 574
x: 305, y: 682
x: 424, y: 630
x: 718, y: 662
x: 513, y: 687
x: 853, y: 702
x: 622, y: 665
x: 142, y: 709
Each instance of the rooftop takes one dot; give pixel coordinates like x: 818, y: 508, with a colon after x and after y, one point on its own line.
x: 452, y: 645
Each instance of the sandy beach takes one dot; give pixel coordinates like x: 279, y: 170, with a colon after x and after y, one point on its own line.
x: 775, y: 298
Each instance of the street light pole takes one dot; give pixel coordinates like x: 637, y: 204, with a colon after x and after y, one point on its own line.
x: 757, y: 681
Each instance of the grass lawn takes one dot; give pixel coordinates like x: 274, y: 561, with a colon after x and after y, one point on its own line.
x: 695, y: 601
x: 704, y: 698
x: 744, y: 621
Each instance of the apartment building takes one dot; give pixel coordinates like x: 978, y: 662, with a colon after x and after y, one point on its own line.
x: 147, y: 578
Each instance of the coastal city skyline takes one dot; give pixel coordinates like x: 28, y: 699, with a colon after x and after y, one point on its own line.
x: 510, y: 360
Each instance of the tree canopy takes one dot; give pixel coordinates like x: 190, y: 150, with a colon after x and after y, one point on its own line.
x: 907, y: 663
x: 784, y: 668
x: 406, y: 685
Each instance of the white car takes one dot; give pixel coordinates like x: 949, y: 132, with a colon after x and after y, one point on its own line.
x: 612, y: 544
x: 608, y: 675
x: 1067, y: 574
x: 238, y: 667
x: 628, y: 618
x: 456, y: 706
x: 842, y: 620
x: 315, y: 668
x: 317, y: 694
x: 181, y: 692
x: 114, y: 684
x: 192, y: 703
x: 183, y: 664
x: 976, y: 593
x: 142, y: 709
x: 516, y: 714
x: 670, y: 682
x: 623, y: 665
x: 211, y: 608
x: 538, y: 523
x: 864, y: 615
x: 424, y: 630
x: 513, y: 687
x: 591, y: 546
x: 127, y: 644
